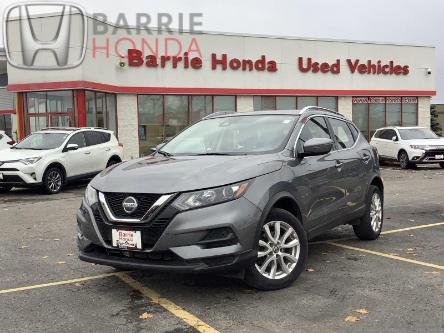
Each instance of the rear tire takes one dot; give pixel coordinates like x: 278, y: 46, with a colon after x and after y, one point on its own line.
x: 441, y: 165
x: 371, y: 223
x: 53, y: 180
x: 282, y: 254
x: 5, y: 188
x: 403, y: 159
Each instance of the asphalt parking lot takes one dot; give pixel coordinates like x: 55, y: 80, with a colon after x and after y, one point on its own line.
x: 394, y: 284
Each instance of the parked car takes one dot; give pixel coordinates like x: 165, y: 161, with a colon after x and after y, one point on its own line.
x: 244, y: 191
x: 5, y: 141
x: 409, y: 145
x: 52, y: 157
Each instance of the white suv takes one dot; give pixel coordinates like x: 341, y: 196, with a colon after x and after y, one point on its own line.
x: 409, y: 145
x: 54, y: 156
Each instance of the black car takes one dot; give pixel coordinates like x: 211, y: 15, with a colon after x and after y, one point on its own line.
x: 235, y: 192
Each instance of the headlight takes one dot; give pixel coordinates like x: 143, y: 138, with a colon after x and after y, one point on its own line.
x: 90, y: 195
x: 31, y: 160
x: 210, y: 196
x: 420, y: 147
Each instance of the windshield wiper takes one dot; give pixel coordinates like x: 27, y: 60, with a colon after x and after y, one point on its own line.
x: 164, y: 153
x: 214, y: 154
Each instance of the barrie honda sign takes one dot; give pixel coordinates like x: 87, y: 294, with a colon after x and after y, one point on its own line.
x: 223, y: 62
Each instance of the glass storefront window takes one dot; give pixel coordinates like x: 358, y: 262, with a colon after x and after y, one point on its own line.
x: 224, y: 103
x: 304, y: 101
x: 176, y: 114
x: 409, y: 111
x: 150, y: 122
x: 371, y: 113
x: 164, y: 116
x: 261, y: 103
x: 393, y: 109
x: 101, y: 110
x: 201, y: 106
x: 328, y: 102
x: 360, y: 114
x: 285, y: 103
x: 48, y: 108
x: 376, y: 113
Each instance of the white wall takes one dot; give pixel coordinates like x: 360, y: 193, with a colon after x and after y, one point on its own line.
x: 244, y: 103
x: 127, y: 118
x: 424, y: 111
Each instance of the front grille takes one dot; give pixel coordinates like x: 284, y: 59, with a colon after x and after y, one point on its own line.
x: 11, y: 179
x: 430, y: 154
x: 151, y: 231
x: 144, y: 201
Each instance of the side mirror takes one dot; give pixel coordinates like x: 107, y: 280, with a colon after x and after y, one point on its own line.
x: 160, y: 145
x: 395, y: 138
x: 316, y: 147
x: 71, y: 146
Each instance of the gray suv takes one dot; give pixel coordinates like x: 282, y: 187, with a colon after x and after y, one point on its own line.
x: 240, y: 192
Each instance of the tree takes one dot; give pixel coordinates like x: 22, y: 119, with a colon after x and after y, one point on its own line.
x: 434, y: 124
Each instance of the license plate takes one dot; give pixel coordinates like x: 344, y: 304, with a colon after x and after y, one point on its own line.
x: 439, y: 157
x: 127, y: 239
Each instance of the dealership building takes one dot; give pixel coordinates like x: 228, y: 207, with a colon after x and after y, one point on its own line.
x: 148, y: 85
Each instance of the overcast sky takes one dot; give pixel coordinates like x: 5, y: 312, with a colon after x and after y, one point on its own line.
x: 403, y: 21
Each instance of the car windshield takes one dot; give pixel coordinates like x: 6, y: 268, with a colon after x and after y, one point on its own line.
x: 416, y: 133
x: 237, y: 135
x: 42, y: 141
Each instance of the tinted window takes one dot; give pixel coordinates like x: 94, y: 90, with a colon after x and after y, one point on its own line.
x: 78, y: 139
x: 314, y: 128
x: 106, y: 136
x: 94, y: 138
x: 342, y: 133
x: 379, y: 134
x: 354, y: 130
x: 389, y: 134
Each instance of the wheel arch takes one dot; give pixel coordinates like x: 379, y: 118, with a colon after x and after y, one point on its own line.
x: 377, y: 181
x: 402, y: 150
x: 283, y: 200
x: 56, y: 165
x: 114, y: 157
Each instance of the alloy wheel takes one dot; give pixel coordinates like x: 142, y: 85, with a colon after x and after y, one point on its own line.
x: 403, y: 160
x: 54, y: 181
x: 279, y: 250
x: 376, y: 212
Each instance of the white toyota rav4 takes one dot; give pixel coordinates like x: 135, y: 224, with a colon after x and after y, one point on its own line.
x: 52, y: 157
x: 409, y: 145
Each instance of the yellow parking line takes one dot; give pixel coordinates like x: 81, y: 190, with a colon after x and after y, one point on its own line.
x: 412, y: 228
x: 386, y: 255
x: 187, y: 317
x: 57, y: 283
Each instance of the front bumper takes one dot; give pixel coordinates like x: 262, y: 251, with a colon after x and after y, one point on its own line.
x: 220, y: 237
x: 426, y: 156
x: 20, y: 175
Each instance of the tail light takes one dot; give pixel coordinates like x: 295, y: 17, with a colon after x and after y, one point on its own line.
x: 121, y: 144
x: 11, y: 142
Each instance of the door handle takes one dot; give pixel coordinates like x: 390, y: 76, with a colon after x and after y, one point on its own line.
x: 366, y: 158
x: 338, y: 164
x: 107, y: 149
x: 87, y: 153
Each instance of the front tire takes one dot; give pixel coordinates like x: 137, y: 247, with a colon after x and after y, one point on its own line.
x: 282, y: 254
x: 371, y: 223
x: 403, y: 159
x: 53, y: 180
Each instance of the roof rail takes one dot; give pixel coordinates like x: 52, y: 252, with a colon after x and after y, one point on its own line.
x: 310, y: 107
x: 60, y: 129
x: 215, y: 114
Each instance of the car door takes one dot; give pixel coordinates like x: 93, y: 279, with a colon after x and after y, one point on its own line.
x: 99, y: 151
x: 392, y: 148
x: 314, y: 176
x: 76, y: 161
x: 349, y: 163
x: 379, y: 142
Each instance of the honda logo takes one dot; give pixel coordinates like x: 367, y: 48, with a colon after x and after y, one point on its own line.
x: 45, y: 35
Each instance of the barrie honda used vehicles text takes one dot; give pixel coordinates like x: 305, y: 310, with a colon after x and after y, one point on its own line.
x: 54, y: 156
x: 409, y: 145
x: 240, y: 192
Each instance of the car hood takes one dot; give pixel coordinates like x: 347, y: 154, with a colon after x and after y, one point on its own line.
x: 427, y: 142
x: 155, y: 174
x: 18, y: 154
